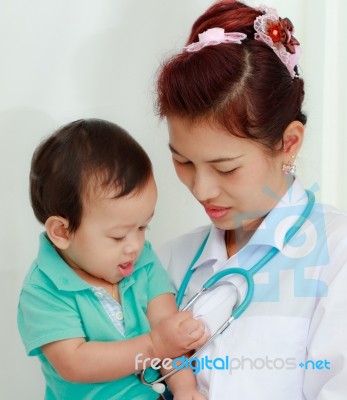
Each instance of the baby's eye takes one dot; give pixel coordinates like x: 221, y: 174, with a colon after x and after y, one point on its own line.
x: 143, y: 228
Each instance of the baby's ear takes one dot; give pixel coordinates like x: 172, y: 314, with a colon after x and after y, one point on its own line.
x: 58, y: 232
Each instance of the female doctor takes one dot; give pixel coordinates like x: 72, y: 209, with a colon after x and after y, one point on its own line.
x: 232, y: 100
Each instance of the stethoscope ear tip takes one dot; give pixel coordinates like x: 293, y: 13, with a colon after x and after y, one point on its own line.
x: 158, y: 388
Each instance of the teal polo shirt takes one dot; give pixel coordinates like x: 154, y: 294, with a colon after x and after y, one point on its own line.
x: 56, y: 304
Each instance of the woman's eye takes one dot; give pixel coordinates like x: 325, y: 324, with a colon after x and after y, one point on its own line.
x: 181, y: 162
x: 118, y: 239
x: 231, y: 171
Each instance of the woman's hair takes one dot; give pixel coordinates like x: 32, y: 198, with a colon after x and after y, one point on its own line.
x: 88, y: 150
x: 243, y: 87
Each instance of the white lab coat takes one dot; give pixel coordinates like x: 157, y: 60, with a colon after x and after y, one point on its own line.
x: 298, y: 314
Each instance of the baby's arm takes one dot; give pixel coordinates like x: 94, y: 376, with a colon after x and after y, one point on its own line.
x: 77, y: 360
x: 183, y: 386
x: 183, y: 383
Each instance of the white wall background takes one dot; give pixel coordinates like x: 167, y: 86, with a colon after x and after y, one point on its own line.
x: 61, y: 60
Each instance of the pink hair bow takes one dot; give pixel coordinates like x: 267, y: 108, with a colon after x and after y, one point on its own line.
x: 215, y: 36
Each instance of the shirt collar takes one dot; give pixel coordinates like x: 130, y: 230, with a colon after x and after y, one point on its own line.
x: 58, y: 271
x: 271, y: 231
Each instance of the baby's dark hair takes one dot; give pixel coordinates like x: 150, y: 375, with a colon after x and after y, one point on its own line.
x: 64, y: 164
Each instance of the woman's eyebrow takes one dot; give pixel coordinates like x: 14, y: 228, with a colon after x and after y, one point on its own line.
x: 216, y: 160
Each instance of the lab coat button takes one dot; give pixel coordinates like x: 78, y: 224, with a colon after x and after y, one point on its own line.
x: 119, y: 315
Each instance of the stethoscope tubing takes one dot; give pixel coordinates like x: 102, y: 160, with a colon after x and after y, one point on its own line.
x: 248, y: 275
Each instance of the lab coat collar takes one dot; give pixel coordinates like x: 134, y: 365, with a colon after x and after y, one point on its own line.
x: 214, y: 248
x: 274, y: 227
x: 271, y: 231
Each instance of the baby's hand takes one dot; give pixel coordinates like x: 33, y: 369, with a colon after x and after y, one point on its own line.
x: 177, y: 335
x: 190, y: 395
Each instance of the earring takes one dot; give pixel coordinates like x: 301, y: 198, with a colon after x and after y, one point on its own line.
x: 289, y: 167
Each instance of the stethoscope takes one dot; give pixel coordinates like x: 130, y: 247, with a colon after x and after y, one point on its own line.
x: 239, y: 307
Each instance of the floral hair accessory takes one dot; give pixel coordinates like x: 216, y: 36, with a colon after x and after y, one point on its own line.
x: 277, y: 33
x: 215, y: 36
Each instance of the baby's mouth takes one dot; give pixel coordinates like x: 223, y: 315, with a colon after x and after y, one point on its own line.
x: 126, y: 269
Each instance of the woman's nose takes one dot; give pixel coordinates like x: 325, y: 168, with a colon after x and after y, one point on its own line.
x: 204, y: 186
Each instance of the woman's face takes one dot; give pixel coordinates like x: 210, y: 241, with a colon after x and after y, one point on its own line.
x: 233, y: 178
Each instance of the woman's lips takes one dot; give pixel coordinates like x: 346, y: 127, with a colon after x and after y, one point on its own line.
x: 216, y: 212
x: 126, y: 269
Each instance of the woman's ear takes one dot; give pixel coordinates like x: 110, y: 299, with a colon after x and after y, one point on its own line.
x: 58, y: 232
x: 293, y: 137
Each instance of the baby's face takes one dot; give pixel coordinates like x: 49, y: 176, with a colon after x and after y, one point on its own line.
x: 112, y: 234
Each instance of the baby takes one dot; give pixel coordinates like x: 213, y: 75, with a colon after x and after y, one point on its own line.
x: 96, y: 295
